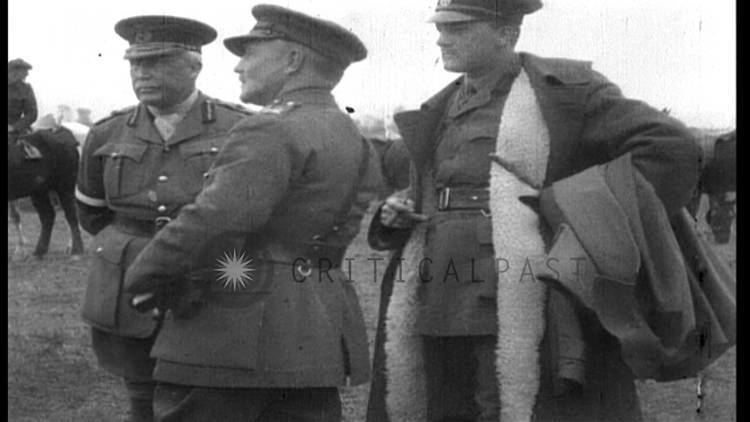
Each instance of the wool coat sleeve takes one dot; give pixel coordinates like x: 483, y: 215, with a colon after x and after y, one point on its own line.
x: 663, y: 150
x: 249, y: 178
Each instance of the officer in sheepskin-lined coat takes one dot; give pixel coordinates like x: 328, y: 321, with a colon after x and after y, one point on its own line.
x: 468, y: 333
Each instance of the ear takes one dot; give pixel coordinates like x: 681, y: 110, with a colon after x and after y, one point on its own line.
x: 196, y: 69
x: 508, y: 36
x: 295, y: 58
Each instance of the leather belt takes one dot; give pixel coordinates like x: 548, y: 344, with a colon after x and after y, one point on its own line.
x: 463, y: 199
x: 139, y: 227
x: 311, y: 254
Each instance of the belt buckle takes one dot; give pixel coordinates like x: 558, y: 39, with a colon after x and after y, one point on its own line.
x: 444, y: 199
x: 160, y: 222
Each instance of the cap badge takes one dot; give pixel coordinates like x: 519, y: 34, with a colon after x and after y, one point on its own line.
x: 444, y: 3
x: 143, y: 36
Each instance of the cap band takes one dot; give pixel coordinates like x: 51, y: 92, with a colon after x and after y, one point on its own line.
x: 159, y: 48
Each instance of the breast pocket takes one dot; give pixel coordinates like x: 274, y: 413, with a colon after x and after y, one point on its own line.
x: 123, y: 175
x: 198, y: 156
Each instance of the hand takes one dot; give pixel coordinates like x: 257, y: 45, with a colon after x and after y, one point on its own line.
x: 184, y: 299
x: 399, y: 213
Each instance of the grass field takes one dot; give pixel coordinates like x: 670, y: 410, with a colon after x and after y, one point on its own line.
x: 53, y: 376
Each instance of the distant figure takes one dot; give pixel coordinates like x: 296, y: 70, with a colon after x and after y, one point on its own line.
x: 64, y: 113
x: 21, y: 100
x: 84, y: 117
x: 47, y: 121
x: 718, y: 180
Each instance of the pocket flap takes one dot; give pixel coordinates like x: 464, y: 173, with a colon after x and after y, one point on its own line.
x: 115, y: 150
x: 480, y: 132
x: 110, y: 244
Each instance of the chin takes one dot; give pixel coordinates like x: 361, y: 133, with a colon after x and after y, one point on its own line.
x: 450, y: 67
x: 249, y: 98
x: 155, y: 101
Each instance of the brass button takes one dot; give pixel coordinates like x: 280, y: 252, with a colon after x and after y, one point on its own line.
x: 475, y: 198
x: 99, y: 249
x: 214, y: 149
x: 162, y: 208
x: 205, y: 175
x: 163, y: 178
x: 114, y: 155
x: 336, y: 228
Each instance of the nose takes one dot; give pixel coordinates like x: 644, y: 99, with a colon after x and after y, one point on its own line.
x: 139, y: 71
x: 442, y: 40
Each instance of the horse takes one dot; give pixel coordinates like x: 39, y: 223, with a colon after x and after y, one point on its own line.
x: 55, y: 171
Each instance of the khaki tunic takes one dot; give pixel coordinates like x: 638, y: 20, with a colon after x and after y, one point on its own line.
x: 128, y: 178
x: 279, y: 186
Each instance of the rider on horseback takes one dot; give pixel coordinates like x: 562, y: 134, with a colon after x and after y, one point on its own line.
x: 22, y: 110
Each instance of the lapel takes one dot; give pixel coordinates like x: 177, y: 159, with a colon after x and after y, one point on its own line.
x: 479, y: 99
x: 561, y: 94
x: 144, y: 126
x: 418, y: 127
x: 190, y: 126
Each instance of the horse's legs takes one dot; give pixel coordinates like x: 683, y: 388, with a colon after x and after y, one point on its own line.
x: 15, y: 216
x: 46, y: 213
x: 67, y: 202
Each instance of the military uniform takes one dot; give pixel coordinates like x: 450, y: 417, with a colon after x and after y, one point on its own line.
x: 279, y: 181
x: 138, y: 168
x: 130, y: 182
x: 450, y: 141
x: 278, y: 343
x: 22, y: 110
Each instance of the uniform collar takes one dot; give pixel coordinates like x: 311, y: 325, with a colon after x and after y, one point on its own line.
x: 191, y: 125
x: 307, y: 95
x: 507, y: 69
x: 180, y: 109
x: 498, y: 80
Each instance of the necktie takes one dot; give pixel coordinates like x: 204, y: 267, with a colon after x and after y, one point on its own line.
x: 165, y: 124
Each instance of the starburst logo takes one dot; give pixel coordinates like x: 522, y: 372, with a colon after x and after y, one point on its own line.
x: 235, y: 270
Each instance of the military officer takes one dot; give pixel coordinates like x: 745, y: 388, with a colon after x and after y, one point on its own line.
x: 139, y: 166
x: 276, y: 328
x: 466, y: 327
x: 22, y: 110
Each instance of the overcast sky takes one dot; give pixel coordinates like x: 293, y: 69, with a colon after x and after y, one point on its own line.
x: 678, y: 54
